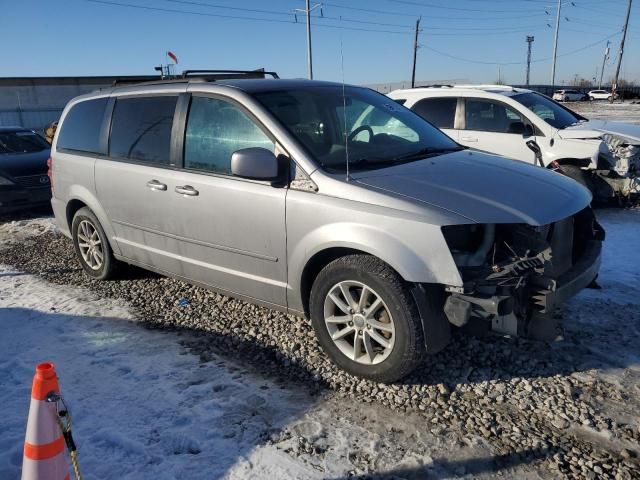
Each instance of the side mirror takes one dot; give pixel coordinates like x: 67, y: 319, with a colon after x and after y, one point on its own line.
x: 255, y: 163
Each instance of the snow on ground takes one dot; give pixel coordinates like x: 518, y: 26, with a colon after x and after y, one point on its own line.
x: 143, y: 407
x: 602, y: 110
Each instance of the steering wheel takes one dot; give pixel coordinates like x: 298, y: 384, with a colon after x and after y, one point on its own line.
x: 361, y: 128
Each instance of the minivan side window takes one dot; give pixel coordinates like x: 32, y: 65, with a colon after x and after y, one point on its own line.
x: 490, y: 116
x: 441, y: 112
x: 141, y: 129
x: 215, y: 129
x: 80, y: 130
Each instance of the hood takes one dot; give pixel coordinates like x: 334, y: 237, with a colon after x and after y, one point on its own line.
x: 483, y: 188
x: 626, y: 130
x: 578, y: 133
x: 20, y: 164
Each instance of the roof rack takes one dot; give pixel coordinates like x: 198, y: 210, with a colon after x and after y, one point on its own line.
x: 486, y: 86
x: 228, y: 74
x: 200, y: 76
x: 436, y: 85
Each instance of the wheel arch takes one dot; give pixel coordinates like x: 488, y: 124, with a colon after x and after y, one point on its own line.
x: 577, y: 162
x: 80, y: 197
x: 317, y: 262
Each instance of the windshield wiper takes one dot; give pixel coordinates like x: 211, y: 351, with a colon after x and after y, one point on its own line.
x: 425, y: 153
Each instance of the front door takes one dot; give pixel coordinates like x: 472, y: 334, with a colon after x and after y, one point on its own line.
x: 230, y: 232
x: 494, y: 127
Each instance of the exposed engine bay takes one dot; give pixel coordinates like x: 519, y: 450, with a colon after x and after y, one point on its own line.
x: 620, y: 166
x: 515, y: 274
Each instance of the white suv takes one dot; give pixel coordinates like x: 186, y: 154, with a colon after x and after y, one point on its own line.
x: 602, y: 155
x: 600, y: 95
x: 568, y: 95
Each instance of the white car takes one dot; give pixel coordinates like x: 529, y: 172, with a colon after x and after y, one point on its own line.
x: 602, y: 155
x: 600, y: 95
x: 568, y: 96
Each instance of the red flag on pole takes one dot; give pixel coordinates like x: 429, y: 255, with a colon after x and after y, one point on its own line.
x: 172, y: 56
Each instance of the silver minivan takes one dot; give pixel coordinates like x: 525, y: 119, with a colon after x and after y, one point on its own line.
x: 388, y: 235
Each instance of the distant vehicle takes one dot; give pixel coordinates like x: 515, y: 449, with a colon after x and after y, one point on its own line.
x: 602, y: 155
x: 385, y: 233
x: 600, y: 95
x: 23, y: 170
x: 568, y: 96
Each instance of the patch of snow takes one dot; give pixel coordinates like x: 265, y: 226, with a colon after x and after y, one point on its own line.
x: 142, y: 406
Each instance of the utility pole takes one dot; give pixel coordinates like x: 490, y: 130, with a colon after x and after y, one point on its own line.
x: 415, y: 53
x: 530, y: 39
x: 307, y: 11
x: 555, y: 48
x: 604, y: 59
x: 614, y: 87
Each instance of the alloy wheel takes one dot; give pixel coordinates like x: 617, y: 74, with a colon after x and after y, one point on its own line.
x: 359, y: 322
x: 90, y: 245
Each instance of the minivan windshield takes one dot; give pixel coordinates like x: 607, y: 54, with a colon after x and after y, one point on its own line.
x: 22, y: 141
x: 551, y: 112
x: 364, y: 127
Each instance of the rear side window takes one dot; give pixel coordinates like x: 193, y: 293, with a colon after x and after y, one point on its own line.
x: 81, y: 128
x: 216, y: 129
x: 141, y: 129
x: 441, y: 112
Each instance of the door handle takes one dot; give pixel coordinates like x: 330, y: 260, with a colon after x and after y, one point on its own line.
x: 187, y: 190
x: 469, y: 139
x: 156, y: 185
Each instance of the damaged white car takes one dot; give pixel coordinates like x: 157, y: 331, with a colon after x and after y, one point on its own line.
x: 604, y: 156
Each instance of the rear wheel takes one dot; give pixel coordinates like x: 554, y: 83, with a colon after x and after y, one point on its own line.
x: 91, y: 245
x: 366, y: 319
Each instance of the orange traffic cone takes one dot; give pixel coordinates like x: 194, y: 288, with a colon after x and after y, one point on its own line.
x: 44, y: 443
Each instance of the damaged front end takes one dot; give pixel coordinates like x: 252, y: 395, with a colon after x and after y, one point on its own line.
x: 515, y: 274
x: 619, y: 167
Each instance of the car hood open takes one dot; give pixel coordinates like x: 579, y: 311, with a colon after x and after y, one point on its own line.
x: 482, y: 188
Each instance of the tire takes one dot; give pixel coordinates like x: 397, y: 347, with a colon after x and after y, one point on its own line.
x: 565, y: 99
x: 85, y: 226
x: 396, y: 311
x: 579, y: 175
x: 591, y: 99
x: 609, y: 98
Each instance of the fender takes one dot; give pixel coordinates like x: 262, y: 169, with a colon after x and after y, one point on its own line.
x: 419, y: 261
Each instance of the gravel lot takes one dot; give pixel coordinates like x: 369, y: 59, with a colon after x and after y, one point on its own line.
x: 567, y: 409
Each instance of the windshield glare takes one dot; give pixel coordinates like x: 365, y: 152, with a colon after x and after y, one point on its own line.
x: 21, y: 142
x: 373, y: 130
x: 554, y: 114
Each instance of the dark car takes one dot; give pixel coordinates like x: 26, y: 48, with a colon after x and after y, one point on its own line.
x: 24, y: 182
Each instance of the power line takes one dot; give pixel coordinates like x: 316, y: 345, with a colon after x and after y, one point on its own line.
x: 287, y: 14
x: 238, y: 17
x: 480, y: 62
x: 458, y: 9
x: 436, y: 17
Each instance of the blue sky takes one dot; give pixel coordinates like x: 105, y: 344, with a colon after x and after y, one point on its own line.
x: 460, y: 39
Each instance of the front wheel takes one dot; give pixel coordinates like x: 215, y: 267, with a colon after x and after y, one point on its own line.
x: 579, y: 175
x: 366, y: 319
x: 92, y: 246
